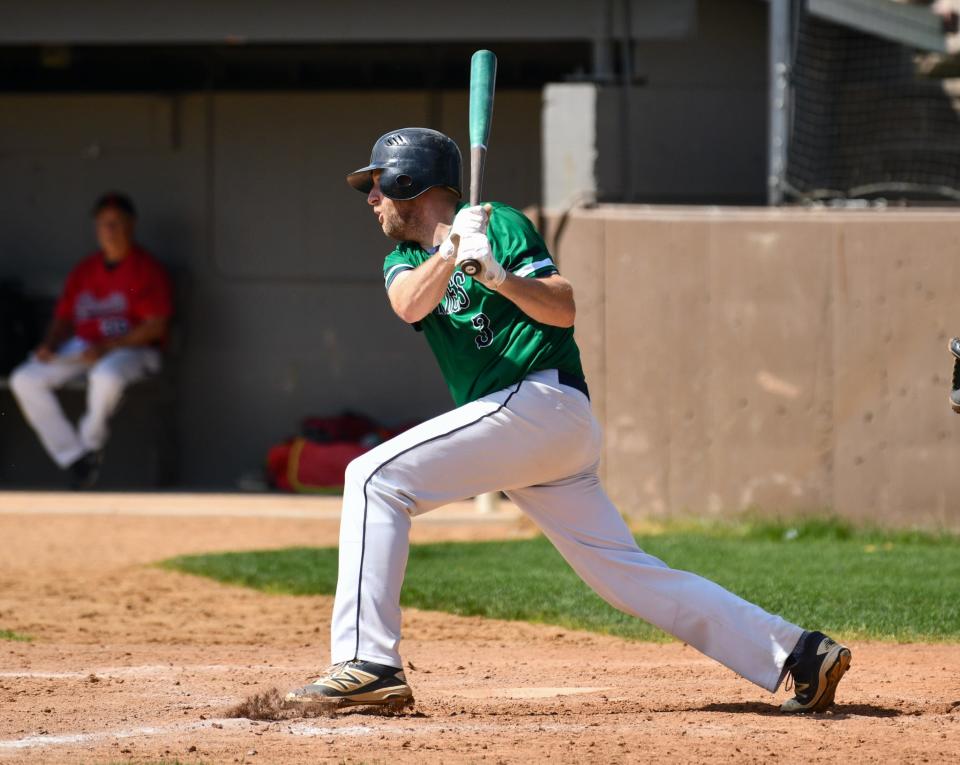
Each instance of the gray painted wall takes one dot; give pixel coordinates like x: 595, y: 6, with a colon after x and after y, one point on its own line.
x: 700, y: 119
x: 697, y: 120
x: 243, y: 194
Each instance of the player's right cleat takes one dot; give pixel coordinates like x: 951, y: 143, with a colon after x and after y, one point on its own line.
x: 354, y: 683
x: 954, y: 347
x: 817, y: 673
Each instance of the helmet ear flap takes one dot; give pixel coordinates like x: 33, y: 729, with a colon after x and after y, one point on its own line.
x: 398, y: 185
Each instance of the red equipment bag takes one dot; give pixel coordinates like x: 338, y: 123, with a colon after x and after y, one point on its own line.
x: 315, y: 462
x: 307, y: 467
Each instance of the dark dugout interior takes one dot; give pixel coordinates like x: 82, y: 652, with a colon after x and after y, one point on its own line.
x: 106, y: 68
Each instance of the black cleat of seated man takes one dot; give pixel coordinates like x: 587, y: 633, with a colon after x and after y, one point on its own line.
x: 86, y: 471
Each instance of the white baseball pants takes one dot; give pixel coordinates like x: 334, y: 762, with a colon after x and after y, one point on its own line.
x: 33, y: 384
x: 539, y: 442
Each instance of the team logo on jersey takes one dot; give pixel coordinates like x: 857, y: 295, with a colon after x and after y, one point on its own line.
x: 114, y: 326
x: 89, y: 307
x: 456, y: 298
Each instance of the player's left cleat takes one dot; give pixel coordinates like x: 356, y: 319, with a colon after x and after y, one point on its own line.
x: 355, y: 683
x: 817, y: 673
x: 954, y: 347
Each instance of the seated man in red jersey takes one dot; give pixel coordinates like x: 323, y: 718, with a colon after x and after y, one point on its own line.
x: 109, y: 324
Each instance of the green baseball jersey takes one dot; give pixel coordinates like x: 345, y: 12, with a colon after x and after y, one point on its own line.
x: 482, y: 341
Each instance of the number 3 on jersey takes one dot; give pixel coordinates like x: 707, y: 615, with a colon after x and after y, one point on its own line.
x: 484, y: 334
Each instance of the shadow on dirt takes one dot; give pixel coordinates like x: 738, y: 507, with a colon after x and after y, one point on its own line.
x: 837, y: 711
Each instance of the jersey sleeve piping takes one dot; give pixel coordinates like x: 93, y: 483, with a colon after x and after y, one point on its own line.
x: 537, y: 269
x: 394, y: 271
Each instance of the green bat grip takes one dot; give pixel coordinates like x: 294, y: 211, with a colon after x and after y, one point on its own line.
x: 483, y: 77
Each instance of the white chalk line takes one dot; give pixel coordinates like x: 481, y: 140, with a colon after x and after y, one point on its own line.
x: 31, y: 742
x: 147, y: 670
x: 306, y: 729
x: 291, y: 728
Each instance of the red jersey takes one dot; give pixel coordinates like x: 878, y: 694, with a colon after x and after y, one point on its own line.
x: 104, y: 302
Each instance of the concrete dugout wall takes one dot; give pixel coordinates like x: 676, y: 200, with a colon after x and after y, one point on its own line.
x: 785, y: 361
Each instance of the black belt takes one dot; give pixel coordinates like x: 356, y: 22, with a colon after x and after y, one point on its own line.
x: 572, y: 381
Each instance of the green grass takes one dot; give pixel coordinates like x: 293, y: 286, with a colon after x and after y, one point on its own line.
x: 819, y: 573
x: 15, y: 636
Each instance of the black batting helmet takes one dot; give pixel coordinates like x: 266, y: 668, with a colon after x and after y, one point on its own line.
x: 412, y: 160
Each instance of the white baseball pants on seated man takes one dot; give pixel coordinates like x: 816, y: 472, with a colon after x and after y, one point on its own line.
x: 33, y: 384
x: 539, y: 442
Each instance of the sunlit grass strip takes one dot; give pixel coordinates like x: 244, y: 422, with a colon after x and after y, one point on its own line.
x: 819, y: 573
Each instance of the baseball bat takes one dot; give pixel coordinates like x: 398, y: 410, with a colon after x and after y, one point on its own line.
x: 483, y: 78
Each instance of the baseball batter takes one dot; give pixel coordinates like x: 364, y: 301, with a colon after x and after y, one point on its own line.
x: 523, y: 424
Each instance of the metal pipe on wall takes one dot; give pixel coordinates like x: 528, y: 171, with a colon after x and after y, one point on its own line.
x: 778, y: 131
x: 626, y: 81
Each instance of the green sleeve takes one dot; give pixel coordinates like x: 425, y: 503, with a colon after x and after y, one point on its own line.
x: 517, y: 244
x: 396, y: 263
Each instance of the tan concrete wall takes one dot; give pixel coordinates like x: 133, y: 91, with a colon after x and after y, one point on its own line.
x: 778, y: 360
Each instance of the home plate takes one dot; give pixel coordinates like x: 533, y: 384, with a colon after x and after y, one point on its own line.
x: 523, y: 693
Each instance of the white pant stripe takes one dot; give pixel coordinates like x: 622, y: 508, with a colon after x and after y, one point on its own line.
x: 365, y: 500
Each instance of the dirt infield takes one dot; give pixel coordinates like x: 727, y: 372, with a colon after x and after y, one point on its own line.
x: 134, y: 664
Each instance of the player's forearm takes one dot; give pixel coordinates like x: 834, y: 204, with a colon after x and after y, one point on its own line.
x: 549, y: 301
x: 148, y: 333
x: 415, y: 293
x: 58, y: 333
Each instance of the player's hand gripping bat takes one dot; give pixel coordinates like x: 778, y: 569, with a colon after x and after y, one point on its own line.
x: 483, y: 77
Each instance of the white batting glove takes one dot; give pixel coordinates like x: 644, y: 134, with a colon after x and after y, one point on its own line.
x: 470, y: 220
x: 477, y: 247
x: 447, y: 249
